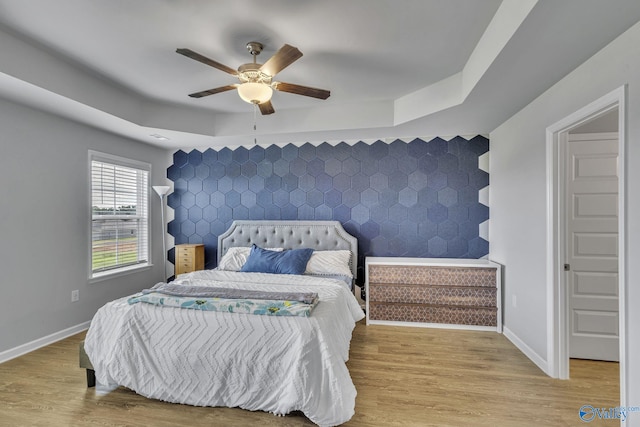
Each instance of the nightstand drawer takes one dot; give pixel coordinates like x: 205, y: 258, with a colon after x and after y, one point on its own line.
x: 185, y: 258
x: 186, y: 268
x: 184, y: 251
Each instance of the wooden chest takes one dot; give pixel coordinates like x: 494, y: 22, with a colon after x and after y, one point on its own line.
x: 189, y: 258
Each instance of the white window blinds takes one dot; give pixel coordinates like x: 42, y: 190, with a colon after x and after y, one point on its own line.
x: 119, y: 214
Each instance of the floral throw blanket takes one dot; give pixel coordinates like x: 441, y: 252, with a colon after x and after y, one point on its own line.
x: 229, y: 300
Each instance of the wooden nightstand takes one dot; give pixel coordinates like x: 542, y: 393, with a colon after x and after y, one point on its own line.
x: 189, y: 258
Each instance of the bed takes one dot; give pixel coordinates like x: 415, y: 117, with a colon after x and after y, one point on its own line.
x: 268, y: 362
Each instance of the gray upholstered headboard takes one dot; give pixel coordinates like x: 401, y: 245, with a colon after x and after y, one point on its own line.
x: 318, y: 235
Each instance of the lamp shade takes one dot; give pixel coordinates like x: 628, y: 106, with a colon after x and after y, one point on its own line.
x: 161, y: 189
x: 255, y: 93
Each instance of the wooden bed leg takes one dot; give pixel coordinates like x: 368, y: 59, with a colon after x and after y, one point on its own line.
x: 91, y: 378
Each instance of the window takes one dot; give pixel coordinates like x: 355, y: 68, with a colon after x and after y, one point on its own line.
x: 119, y: 214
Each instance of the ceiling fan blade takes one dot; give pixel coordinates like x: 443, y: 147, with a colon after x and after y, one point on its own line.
x: 284, y: 57
x: 213, y: 91
x: 266, y: 108
x: 302, y: 90
x: 195, y: 55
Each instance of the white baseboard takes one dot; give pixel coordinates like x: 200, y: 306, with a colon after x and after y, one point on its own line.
x: 432, y: 325
x: 528, y: 351
x: 42, y: 342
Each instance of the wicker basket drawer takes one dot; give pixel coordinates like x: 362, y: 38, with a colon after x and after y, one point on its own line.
x: 428, y: 275
x: 422, y: 313
x: 441, y: 295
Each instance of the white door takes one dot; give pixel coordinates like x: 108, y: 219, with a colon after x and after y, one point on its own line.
x: 592, y: 245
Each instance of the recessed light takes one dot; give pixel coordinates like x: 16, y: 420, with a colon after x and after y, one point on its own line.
x: 160, y: 137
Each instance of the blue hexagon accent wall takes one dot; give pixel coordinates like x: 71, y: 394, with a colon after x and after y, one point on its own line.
x: 413, y: 199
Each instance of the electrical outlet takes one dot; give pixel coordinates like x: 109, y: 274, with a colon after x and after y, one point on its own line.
x: 75, y: 295
x: 513, y: 301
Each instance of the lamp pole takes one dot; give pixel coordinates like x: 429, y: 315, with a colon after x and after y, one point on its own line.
x: 162, y: 190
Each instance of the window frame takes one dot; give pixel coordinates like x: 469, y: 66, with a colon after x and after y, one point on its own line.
x: 146, y: 193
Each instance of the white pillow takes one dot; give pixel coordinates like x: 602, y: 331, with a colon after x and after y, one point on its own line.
x: 330, y: 262
x: 236, y: 256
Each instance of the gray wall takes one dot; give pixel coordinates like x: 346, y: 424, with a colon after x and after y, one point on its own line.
x: 518, y: 196
x: 44, y: 223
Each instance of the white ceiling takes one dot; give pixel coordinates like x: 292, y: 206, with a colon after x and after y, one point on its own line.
x: 394, y: 68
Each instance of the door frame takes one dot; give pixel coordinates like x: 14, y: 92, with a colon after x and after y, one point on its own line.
x: 557, y: 292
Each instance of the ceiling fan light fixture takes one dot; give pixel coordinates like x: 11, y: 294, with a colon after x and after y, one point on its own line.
x: 255, y: 93
x: 256, y: 83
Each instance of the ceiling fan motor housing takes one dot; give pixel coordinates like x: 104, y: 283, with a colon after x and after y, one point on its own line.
x: 255, y: 48
x: 251, y: 73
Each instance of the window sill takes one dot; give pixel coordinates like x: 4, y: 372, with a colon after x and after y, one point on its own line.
x: 99, y: 277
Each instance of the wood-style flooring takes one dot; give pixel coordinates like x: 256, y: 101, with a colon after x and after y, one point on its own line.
x: 404, y: 377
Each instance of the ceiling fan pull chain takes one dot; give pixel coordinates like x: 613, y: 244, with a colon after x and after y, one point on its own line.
x: 255, y: 119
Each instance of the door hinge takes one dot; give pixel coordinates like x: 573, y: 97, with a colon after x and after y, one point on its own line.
x: 567, y: 267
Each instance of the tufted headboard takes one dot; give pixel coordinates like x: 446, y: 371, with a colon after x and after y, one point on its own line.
x: 318, y: 235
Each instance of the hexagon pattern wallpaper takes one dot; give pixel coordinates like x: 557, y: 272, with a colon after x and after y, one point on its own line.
x: 412, y: 198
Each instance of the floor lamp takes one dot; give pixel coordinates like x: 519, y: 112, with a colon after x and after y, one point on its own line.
x: 162, y: 190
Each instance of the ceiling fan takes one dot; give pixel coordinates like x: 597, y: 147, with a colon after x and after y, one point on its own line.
x: 256, y: 80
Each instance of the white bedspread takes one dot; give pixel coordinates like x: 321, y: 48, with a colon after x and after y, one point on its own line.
x: 255, y: 362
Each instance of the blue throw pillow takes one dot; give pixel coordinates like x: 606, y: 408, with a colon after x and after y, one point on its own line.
x: 293, y: 261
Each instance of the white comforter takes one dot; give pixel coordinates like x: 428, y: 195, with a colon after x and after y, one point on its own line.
x: 257, y: 362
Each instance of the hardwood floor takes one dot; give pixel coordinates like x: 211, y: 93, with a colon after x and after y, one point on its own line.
x: 404, y: 377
